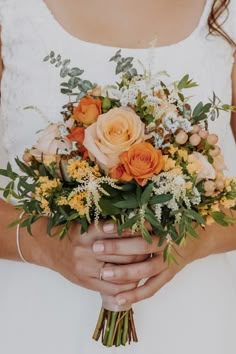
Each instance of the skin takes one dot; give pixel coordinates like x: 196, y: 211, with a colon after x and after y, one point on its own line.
x: 81, y: 258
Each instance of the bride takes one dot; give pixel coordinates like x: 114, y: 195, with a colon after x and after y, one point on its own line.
x: 45, y: 304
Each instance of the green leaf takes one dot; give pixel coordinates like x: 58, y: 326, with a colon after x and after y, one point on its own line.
x: 64, y: 71
x: 197, y: 110
x: 76, y: 72
x: 66, y: 91
x: 147, y: 194
x: 159, y: 199
x: 139, y: 194
x: 206, y: 108
x: 192, y: 214
x: 73, y: 82
x: 151, y: 218
x: 25, y: 168
x: 183, y: 82
x: 107, y: 206
x: 166, y: 252
x: 146, y: 235
x: 192, y: 231
x: 128, y: 224
x: 223, y: 219
x: 131, y: 203
x: 73, y: 217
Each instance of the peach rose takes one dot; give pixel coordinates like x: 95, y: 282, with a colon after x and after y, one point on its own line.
x: 88, y: 110
x: 142, y: 161
x: 113, y: 133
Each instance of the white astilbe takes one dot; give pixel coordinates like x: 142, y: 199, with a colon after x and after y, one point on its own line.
x: 195, y: 197
x: 170, y: 183
x: 94, y: 192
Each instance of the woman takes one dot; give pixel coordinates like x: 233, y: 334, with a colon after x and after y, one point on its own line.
x: 42, y: 312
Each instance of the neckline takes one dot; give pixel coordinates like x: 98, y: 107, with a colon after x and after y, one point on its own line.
x: 61, y: 29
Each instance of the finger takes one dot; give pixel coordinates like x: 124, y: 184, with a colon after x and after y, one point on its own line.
x: 122, y: 259
x: 107, y: 288
x: 127, y: 246
x: 110, y: 228
x: 84, y: 269
x: 94, y: 232
x: 147, y: 290
x: 134, y: 272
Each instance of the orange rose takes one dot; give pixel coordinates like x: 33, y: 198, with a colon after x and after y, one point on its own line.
x: 77, y: 134
x: 119, y: 173
x: 88, y: 110
x: 140, y: 162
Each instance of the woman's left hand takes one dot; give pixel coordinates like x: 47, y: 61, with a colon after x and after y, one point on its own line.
x: 156, y: 272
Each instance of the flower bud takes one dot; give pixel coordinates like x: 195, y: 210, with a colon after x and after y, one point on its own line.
x: 195, y: 139
x: 181, y: 138
x: 196, y: 129
x: 106, y: 104
x: 203, y: 133
x: 212, y: 139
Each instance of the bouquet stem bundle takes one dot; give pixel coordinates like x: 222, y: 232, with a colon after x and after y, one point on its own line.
x: 115, y: 328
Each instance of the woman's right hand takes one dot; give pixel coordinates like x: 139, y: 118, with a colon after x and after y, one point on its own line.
x: 73, y: 257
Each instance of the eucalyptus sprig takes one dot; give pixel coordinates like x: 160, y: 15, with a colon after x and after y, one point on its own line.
x: 75, y: 85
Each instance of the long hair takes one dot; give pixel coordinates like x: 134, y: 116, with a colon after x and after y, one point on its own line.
x: 215, y: 26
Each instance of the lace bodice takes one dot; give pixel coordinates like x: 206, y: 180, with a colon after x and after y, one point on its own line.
x: 29, y: 32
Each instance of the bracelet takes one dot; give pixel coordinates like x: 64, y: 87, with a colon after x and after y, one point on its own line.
x: 18, y: 240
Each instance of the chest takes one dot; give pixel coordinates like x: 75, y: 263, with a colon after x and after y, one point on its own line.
x: 129, y: 23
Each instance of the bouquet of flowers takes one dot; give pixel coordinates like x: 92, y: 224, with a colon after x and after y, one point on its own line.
x: 135, y: 152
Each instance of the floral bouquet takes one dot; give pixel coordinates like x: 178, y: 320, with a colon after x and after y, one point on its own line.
x: 135, y: 152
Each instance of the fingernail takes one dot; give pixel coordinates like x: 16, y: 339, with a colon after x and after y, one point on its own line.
x: 98, y: 247
x: 121, y: 301
x: 107, y: 273
x: 108, y: 228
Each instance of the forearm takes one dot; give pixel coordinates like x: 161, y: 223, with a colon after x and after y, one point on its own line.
x: 8, y: 248
x: 220, y: 239
x: 233, y: 124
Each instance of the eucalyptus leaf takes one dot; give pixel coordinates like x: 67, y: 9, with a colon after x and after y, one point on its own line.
x: 76, y: 72
x: 64, y: 71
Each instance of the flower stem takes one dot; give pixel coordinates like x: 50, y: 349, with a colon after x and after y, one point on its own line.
x: 125, y: 329
x: 110, y: 339
x: 99, y: 326
x: 115, y: 328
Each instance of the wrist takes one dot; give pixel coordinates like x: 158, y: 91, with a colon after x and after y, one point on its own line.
x: 32, y: 245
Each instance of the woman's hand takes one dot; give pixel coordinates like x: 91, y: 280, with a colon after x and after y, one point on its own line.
x: 154, y: 269
x: 73, y: 257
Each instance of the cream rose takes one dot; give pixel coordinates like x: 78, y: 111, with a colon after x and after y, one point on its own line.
x: 113, y: 133
x: 53, y: 140
x: 207, y: 171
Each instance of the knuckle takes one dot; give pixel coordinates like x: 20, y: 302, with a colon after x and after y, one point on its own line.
x: 112, y: 247
x: 115, y: 290
x: 122, y: 273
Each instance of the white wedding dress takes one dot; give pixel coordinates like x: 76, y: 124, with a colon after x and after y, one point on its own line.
x: 40, y: 311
